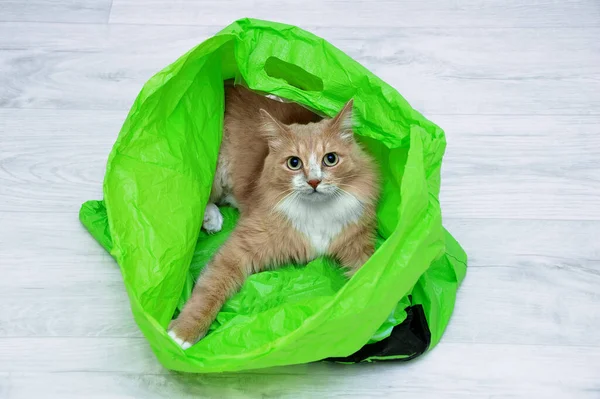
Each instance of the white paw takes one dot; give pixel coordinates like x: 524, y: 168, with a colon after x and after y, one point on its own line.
x: 184, y: 345
x: 213, y: 220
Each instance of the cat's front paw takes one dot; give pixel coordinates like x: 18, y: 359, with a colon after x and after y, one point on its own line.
x: 186, y: 332
x: 213, y: 220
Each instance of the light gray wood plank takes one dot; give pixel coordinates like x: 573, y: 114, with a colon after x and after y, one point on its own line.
x: 68, y: 66
x: 53, y: 161
x: 89, y: 310
x: 52, y: 238
x: 481, y: 71
x: 72, y: 11
x: 561, y: 146
x: 511, y: 242
x: 440, y: 71
x: 5, y: 385
x: 496, y: 166
x: 354, y: 13
x: 521, y: 166
x: 45, y: 268
x: 496, y: 304
x: 56, y: 354
x: 114, y: 368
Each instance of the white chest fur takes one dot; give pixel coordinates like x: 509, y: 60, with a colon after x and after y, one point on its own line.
x: 322, y: 222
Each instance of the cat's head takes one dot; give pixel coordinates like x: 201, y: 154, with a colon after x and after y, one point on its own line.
x: 318, y: 161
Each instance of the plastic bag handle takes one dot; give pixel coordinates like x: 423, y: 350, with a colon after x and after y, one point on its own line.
x: 292, y: 68
x: 292, y: 74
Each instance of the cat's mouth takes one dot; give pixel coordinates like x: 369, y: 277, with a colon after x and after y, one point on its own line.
x: 316, y: 195
x: 319, y: 193
x: 313, y: 193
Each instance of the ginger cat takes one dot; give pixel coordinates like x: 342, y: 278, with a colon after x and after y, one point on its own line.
x: 304, y: 189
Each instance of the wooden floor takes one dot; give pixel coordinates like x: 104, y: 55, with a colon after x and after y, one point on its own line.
x: 516, y: 86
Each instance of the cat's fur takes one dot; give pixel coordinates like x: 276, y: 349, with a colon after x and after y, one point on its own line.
x: 283, y: 217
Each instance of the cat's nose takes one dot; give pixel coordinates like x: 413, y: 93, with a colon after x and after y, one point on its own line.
x: 314, y: 183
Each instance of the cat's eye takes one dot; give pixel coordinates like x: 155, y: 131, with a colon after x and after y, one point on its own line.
x: 330, y: 159
x: 294, y: 163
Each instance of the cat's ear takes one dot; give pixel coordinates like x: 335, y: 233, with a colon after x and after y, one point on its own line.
x: 341, y: 124
x: 273, y: 130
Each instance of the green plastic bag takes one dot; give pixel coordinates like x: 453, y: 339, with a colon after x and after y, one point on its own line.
x: 158, y: 181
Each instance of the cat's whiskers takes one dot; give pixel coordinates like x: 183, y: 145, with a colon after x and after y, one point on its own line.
x: 351, y: 176
x: 338, y: 184
x: 340, y: 191
x: 347, y: 193
x: 289, y: 193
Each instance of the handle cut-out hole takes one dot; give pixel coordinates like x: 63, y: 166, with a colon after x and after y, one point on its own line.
x: 293, y: 75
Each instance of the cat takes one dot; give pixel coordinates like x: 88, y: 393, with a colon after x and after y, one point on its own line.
x: 304, y: 188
